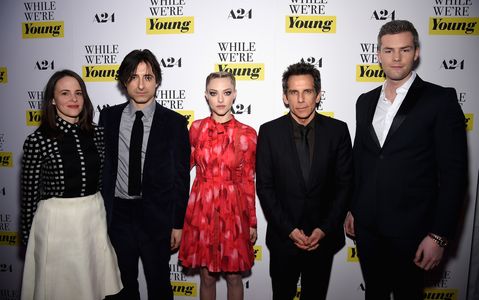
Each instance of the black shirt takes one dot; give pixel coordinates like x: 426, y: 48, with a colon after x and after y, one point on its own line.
x: 297, y: 134
x: 65, y: 167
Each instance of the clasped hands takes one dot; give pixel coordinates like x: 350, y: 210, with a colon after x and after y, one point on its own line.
x: 304, y: 242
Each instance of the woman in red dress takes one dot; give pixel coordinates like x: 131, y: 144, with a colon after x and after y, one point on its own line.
x: 220, y: 223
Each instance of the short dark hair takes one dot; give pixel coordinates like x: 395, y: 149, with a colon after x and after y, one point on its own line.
x: 220, y: 74
x: 132, y: 60
x: 302, y: 68
x: 48, y: 124
x: 398, y: 26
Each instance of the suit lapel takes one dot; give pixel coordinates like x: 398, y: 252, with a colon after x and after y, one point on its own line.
x: 115, y: 134
x: 371, y: 109
x: 156, y: 131
x: 407, y: 105
x: 320, y: 149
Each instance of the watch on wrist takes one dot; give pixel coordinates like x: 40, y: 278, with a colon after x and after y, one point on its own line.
x: 441, y: 241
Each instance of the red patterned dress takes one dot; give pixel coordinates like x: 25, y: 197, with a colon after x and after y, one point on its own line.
x: 221, y: 208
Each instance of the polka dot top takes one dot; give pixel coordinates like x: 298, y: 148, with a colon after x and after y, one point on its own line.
x: 65, y: 167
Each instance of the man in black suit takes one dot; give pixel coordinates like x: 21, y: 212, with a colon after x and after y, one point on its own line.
x: 146, y: 178
x: 304, y: 180
x: 410, y: 160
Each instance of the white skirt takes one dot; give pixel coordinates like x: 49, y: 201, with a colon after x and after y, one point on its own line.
x: 69, y: 254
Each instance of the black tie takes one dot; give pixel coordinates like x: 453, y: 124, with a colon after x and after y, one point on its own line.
x: 134, y: 165
x: 303, y: 152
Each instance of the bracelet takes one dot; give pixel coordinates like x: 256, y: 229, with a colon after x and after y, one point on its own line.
x: 441, y: 241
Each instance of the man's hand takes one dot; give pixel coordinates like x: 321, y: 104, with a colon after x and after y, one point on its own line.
x: 299, y: 239
x: 349, y: 225
x: 313, y: 240
x: 175, y: 239
x: 304, y: 242
x: 428, y: 254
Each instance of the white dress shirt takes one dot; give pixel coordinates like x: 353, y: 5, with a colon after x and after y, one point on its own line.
x: 387, y: 109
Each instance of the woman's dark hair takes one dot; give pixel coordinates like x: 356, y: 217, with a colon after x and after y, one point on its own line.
x: 48, y: 124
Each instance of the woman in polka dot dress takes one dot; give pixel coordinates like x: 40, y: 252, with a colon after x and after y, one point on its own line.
x: 69, y: 255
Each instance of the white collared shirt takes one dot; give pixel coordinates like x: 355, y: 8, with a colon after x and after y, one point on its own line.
x: 387, y: 109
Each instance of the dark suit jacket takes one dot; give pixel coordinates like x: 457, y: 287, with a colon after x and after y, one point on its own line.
x: 287, y: 200
x: 416, y: 182
x: 166, y: 172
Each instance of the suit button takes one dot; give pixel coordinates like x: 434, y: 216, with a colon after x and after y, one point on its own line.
x: 381, y: 156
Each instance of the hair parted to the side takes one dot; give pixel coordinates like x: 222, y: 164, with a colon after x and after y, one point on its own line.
x: 48, y: 124
x: 302, y: 68
x: 398, y: 26
x: 132, y: 60
x: 220, y: 74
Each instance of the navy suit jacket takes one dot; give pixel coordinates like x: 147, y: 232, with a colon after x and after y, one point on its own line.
x: 416, y: 182
x: 166, y: 172
x: 287, y: 200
